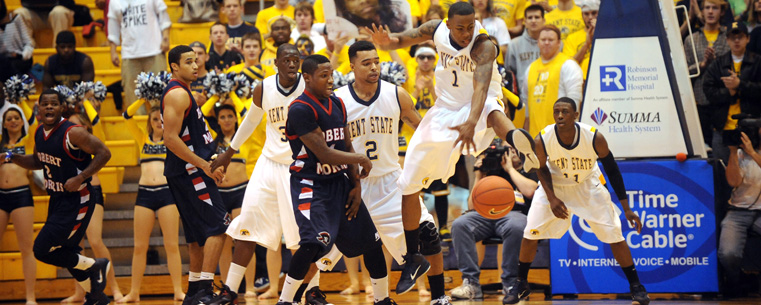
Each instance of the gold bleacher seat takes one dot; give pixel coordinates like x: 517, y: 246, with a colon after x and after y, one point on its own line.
x: 111, y: 177
x: 9, y: 242
x: 123, y: 153
x: 11, y: 268
x: 101, y: 56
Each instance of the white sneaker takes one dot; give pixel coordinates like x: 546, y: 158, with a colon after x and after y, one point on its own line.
x: 443, y: 300
x: 467, y: 291
x: 522, y: 142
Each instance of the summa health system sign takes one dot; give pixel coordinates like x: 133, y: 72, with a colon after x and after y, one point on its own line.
x: 676, y: 250
x: 629, y: 98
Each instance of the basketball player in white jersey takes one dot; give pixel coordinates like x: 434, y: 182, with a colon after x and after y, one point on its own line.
x: 267, y: 212
x: 374, y: 109
x: 465, y: 117
x: 571, y: 182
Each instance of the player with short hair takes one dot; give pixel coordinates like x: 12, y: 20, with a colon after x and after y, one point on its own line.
x: 189, y: 176
x: 466, y: 115
x: 69, y: 155
x: 325, y: 187
x: 579, y: 190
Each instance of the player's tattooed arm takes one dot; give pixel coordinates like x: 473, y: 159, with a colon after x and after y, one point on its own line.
x: 409, y: 114
x: 386, y: 41
x: 80, y: 138
x: 556, y: 205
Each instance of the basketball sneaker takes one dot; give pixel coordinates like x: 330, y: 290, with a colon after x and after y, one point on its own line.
x: 96, y: 299
x: 639, y: 294
x: 386, y: 301
x: 261, y: 284
x: 225, y: 296
x: 445, y: 233
x: 443, y: 300
x: 468, y: 291
x: 315, y: 296
x: 98, y: 272
x: 517, y: 292
x: 522, y: 142
x: 202, y: 297
x: 415, y: 266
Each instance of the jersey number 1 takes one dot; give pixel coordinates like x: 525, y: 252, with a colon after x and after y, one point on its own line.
x: 454, y: 84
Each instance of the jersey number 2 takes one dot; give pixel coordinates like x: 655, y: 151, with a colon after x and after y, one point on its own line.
x: 371, y: 147
x: 454, y: 84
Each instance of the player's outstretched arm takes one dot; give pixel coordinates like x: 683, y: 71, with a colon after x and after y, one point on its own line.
x: 175, y: 104
x: 26, y: 161
x: 88, y: 143
x: 384, y: 40
x: 247, y: 126
x: 615, y: 178
x: 557, y: 206
x: 409, y: 114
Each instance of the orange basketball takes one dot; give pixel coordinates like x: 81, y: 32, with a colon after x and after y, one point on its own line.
x: 493, y: 197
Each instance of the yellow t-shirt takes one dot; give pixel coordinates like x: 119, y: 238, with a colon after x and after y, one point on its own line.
x: 415, y: 9
x: 510, y: 10
x: 263, y: 17
x: 734, y: 108
x: 319, y: 14
x: 543, y: 83
x: 567, y: 21
x: 711, y: 36
x: 258, y: 72
x: 573, y: 43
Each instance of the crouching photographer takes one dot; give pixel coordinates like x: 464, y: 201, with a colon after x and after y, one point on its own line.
x: 743, y: 173
x: 500, y: 160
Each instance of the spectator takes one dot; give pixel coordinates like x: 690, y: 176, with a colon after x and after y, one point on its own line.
x: 280, y: 34
x: 567, y: 17
x: 524, y: 50
x: 265, y: 17
x: 251, y: 67
x: 304, y: 13
x: 511, y: 11
x: 68, y: 66
x: 579, y: 43
x: 220, y: 58
x: 732, y: 85
x: 754, y: 20
x: 709, y: 42
x: 744, y: 212
x: 141, y: 27
x: 43, y: 14
x: 16, y: 45
x: 494, y: 25
x: 471, y: 227
x: 201, y: 60
x: 561, y: 77
x: 236, y: 27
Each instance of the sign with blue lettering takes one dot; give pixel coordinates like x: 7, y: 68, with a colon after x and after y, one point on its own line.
x: 613, y: 78
x: 676, y: 251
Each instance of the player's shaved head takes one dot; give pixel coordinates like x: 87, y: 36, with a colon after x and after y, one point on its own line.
x: 460, y: 8
x: 311, y: 63
x: 567, y: 100
x: 283, y: 49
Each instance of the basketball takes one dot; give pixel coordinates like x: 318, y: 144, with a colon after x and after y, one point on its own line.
x: 493, y: 197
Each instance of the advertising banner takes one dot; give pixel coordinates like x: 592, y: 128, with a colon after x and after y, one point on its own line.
x: 676, y: 251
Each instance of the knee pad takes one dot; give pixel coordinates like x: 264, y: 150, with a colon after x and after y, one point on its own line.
x: 430, y: 242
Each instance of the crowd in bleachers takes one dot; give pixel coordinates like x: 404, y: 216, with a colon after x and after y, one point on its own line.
x: 239, y: 52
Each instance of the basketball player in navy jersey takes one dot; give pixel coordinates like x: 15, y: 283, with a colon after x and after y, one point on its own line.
x: 325, y: 187
x: 69, y: 156
x: 465, y: 118
x: 189, y: 175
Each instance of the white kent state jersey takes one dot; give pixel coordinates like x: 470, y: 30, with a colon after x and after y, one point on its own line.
x: 571, y: 164
x: 275, y: 103
x: 374, y: 126
x: 455, y: 69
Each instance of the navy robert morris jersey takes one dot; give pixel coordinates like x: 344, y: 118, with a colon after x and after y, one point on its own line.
x: 306, y: 114
x: 193, y: 133
x: 60, y: 160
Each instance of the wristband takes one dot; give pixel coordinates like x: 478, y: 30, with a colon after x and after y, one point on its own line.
x: 8, y: 156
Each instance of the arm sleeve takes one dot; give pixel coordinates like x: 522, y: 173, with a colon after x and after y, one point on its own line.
x: 305, y: 116
x: 208, y: 107
x: 240, y: 106
x: 92, y: 114
x: 572, y: 80
x: 246, y: 128
x: 614, y: 176
x: 114, y: 20
x: 134, y: 130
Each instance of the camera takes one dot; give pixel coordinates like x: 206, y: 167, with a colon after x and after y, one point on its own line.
x: 492, y: 162
x: 745, y: 123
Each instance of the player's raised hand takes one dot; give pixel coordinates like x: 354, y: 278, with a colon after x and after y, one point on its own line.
x: 467, y: 130
x: 382, y: 37
x: 633, y: 219
x: 559, y: 209
x: 353, y: 202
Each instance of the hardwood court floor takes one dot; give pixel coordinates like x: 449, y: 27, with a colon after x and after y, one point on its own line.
x: 412, y: 299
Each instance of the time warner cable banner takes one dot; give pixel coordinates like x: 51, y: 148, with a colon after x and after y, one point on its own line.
x: 676, y: 251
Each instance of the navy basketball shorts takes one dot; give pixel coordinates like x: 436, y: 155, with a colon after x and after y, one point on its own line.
x: 320, y: 210
x: 233, y: 196
x: 17, y: 197
x: 154, y: 197
x: 68, y: 217
x: 97, y: 195
x: 201, y: 207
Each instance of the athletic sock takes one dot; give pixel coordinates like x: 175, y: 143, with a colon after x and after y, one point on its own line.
x: 412, y: 238
x: 289, y: 289
x: 300, y: 293
x: 441, y: 203
x: 207, y: 278
x: 631, y: 274
x: 437, y: 286
x: 235, y: 276
x: 380, y: 288
x: 523, y: 269
x: 193, y: 278
x: 84, y: 262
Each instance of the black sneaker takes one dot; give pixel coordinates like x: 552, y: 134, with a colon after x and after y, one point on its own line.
x: 98, y: 273
x: 287, y: 303
x: 639, y: 294
x: 522, y: 142
x: 202, y: 297
x: 446, y: 235
x: 415, y: 266
x: 386, y: 301
x: 517, y: 292
x: 315, y: 296
x: 225, y: 296
x: 96, y: 299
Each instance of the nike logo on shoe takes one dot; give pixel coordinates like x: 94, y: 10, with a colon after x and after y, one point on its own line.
x: 414, y: 273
